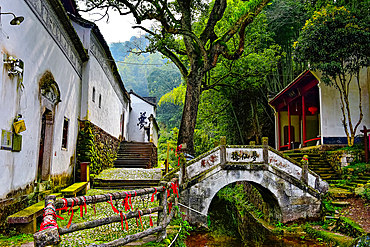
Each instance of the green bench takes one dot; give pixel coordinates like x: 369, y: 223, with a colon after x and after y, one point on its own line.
x: 74, y: 189
x: 25, y: 220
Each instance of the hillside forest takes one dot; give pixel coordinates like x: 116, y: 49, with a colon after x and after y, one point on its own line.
x: 237, y: 107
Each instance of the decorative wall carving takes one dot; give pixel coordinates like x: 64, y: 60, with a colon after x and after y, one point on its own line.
x: 50, y: 21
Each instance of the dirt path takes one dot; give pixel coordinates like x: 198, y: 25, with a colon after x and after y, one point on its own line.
x: 358, y: 211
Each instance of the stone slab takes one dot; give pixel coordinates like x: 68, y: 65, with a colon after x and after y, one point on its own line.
x: 28, y: 214
x: 130, y: 174
x: 74, y: 188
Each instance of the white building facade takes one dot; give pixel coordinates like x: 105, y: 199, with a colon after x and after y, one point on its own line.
x: 57, y: 72
x: 142, y: 124
x: 308, y: 112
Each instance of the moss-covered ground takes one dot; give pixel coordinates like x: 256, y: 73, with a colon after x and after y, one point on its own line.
x: 16, y: 240
x: 106, y: 233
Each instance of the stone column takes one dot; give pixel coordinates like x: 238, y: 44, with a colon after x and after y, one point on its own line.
x: 265, y: 143
x: 304, y: 164
x: 223, y: 150
x: 49, y: 236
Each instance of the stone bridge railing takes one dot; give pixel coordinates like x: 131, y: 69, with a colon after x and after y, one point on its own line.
x: 251, y: 157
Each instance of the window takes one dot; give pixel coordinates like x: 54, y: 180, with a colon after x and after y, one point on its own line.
x: 65, y: 133
x: 99, y: 100
x: 93, y: 96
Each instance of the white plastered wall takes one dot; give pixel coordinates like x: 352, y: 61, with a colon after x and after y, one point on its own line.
x: 331, y: 114
x: 32, y: 43
x: 138, y: 105
x: 113, y: 102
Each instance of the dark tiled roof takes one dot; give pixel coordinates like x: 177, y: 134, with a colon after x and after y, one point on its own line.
x: 150, y: 100
x: 67, y: 25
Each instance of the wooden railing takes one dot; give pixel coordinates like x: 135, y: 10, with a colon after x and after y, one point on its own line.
x: 50, y: 232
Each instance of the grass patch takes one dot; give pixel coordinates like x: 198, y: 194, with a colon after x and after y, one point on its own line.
x: 110, y: 232
x: 16, y: 240
x: 330, y: 238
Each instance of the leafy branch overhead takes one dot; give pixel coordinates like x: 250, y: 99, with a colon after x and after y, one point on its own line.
x: 189, y: 33
x: 336, y: 41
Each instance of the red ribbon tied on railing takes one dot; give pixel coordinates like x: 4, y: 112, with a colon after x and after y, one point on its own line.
x: 141, y: 222
x: 174, y: 188
x: 125, y: 202
x: 152, y: 200
x: 49, y: 218
x: 178, y: 149
x: 126, y: 222
x: 111, y: 203
x: 169, y: 207
x: 150, y: 217
x: 120, y: 214
x: 70, y: 209
x: 83, y: 205
x: 65, y: 204
x: 129, y: 195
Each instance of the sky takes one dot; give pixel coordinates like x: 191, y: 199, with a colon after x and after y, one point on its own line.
x: 118, y: 29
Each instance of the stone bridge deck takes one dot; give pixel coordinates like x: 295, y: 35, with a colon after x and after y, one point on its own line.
x: 293, y: 191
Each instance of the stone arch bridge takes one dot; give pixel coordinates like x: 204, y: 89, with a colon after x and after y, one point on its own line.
x: 294, y: 192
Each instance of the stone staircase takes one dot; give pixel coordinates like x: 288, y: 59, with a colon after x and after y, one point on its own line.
x: 360, y: 180
x: 136, y: 155
x: 318, y: 164
x: 127, y: 178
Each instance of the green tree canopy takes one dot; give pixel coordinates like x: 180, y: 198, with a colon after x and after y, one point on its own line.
x: 335, y: 41
x: 195, y: 50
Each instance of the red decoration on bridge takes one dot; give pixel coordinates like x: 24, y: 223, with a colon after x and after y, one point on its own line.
x: 152, y: 200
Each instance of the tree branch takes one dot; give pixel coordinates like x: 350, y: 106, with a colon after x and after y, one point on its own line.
x: 167, y: 52
x: 216, y: 15
x: 220, y: 46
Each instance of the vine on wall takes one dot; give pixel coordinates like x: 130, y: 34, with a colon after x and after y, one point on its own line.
x: 96, y: 146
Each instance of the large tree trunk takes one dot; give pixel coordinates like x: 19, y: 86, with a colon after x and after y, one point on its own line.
x: 189, y: 116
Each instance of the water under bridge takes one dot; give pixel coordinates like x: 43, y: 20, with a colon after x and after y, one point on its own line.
x: 291, y: 189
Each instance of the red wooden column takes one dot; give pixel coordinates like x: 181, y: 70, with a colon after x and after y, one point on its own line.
x: 366, y: 131
x: 289, y: 126
x: 279, y: 130
x: 303, y: 120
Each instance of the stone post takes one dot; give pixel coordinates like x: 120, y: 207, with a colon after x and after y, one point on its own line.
x: 216, y: 143
x: 182, y: 161
x: 162, y: 216
x: 160, y: 202
x: 265, y: 143
x: 223, y: 150
x: 304, y: 164
x: 49, y: 236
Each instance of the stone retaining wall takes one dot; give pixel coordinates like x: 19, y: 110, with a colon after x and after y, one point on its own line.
x: 96, y: 146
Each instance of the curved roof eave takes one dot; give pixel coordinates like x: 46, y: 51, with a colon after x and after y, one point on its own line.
x: 88, y: 24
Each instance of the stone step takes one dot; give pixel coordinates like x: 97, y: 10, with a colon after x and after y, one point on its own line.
x: 360, y: 181
x: 136, y: 148
x: 133, y: 157
x: 324, y: 169
x: 344, y: 186
x: 341, y: 204
x: 131, y: 166
x: 319, y: 163
x: 331, y: 217
x: 118, y: 184
x: 131, y: 161
x: 340, y: 193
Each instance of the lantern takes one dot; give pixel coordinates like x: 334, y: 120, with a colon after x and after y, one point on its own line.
x: 312, y: 109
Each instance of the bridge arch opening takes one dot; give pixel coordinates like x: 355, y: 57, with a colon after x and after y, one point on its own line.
x: 249, y: 196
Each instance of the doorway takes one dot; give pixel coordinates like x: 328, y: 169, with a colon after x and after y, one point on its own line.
x: 46, y: 145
